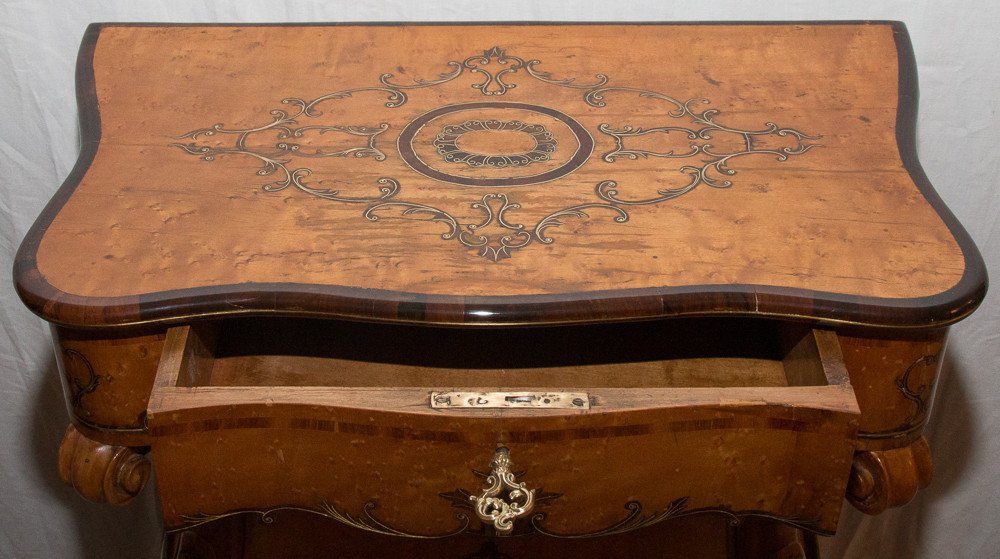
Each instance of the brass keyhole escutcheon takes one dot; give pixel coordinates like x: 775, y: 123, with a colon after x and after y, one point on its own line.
x: 503, y: 500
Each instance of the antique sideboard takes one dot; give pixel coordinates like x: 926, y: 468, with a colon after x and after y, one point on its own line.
x: 498, y: 290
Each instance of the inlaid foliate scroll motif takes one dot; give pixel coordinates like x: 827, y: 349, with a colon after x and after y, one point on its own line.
x: 80, y: 387
x: 447, y: 144
x: 704, y: 161
x: 918, y: 393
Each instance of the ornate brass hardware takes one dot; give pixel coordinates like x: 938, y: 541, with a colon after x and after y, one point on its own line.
x: 494, y: 509
x: 570, y: 400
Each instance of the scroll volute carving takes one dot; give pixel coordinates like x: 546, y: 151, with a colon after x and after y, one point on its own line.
x: 100, y: 472
x: 883, y: 479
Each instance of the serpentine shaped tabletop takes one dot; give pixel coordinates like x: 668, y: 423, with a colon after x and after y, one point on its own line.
x: 500, y: 174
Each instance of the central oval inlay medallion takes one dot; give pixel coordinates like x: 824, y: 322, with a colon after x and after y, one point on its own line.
x: 495, y: 144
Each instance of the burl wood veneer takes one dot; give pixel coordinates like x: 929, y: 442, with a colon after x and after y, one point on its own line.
x: 630, y: 275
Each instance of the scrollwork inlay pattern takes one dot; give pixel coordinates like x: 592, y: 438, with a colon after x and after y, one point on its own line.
x: 918, y: 395
x: 499, y: 504
x: 365, y: 521
x: 493, y: 74
x: 635, y: 518
x: 447, y: 144
x: 81, y: 388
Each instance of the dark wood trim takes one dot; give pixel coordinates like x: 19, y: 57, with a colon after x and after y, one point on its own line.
x: 36, y: 292
x: 971, y: 289
x: 288, y: 299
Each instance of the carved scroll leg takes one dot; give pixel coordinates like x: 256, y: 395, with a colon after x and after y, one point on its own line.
x: 99, y: 472
x: 889, y: 478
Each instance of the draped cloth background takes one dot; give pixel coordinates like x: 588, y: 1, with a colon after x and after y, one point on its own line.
x: 958, y: 141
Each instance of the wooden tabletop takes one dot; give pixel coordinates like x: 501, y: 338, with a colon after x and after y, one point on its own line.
x: 499, y: 174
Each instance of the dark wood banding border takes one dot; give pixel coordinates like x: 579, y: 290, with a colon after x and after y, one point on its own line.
x: 254, y: 418
x: 291, y: 299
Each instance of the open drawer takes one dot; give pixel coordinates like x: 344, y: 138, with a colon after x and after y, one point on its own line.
x: 585, y: 430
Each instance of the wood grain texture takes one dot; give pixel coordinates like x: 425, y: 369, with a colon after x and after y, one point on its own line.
x: 894, y: 379
x: 107, y: 381
x: 775, y: 452
x: 882, y: 479
x: 534, y: 176
x: 850, y: 231
x: 100, y: 472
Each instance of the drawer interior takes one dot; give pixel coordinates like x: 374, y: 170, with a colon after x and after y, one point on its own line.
x: 347, y: 413
x: 661, y: 354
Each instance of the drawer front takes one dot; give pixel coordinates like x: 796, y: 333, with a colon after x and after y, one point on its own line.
x: 384, y: 459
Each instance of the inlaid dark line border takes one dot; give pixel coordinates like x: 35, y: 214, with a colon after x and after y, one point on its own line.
x: 312, y: 417
x: 583, y: 152
x: 291, y: 299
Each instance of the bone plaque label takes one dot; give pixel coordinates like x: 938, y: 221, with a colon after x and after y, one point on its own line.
x: 551, y: 400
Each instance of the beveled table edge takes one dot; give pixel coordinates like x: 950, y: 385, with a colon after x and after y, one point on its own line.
x: 291, y: 299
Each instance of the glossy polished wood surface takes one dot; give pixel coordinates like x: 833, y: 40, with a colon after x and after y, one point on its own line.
x: 100, y: 472
x: 383, y: 457
x: 506, y: 174
x: 395, y: 181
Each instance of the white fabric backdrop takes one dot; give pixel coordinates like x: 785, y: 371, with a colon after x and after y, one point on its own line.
x: 958, y: 140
